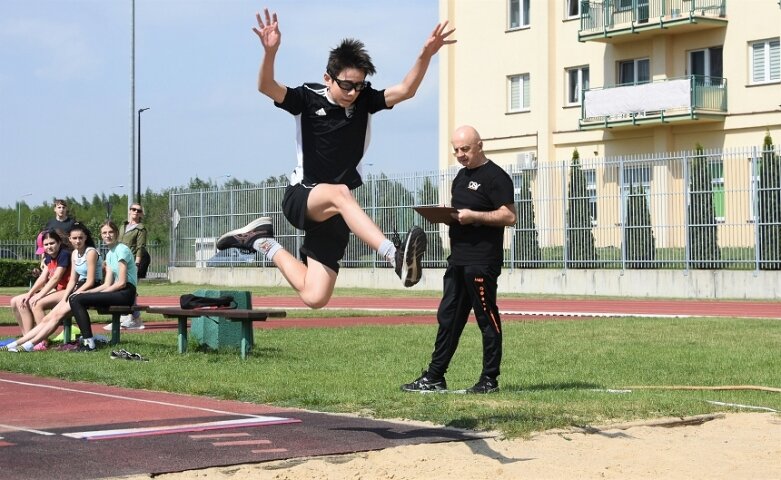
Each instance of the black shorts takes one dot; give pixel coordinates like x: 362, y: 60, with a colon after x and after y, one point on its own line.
x: 325, y: 241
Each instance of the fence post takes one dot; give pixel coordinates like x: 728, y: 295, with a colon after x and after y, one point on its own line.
x: 564, y: 168
x: 686, y: 218
x: 754, y: 182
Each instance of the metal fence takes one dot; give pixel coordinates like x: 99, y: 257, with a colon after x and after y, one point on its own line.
x: 705, y: 210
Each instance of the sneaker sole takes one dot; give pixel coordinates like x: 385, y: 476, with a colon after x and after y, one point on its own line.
x: 412, y: 270
x: 224, y: 242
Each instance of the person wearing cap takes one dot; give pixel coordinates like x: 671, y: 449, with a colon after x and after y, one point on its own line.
x: 62, y: 221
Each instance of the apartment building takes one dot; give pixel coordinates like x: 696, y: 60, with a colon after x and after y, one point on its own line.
x: 618, y: 80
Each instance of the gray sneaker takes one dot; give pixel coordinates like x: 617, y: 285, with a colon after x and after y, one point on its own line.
x: 244, y: 238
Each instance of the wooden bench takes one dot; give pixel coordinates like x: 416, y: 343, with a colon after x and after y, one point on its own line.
x: 116, y: 313
x: 245, y: 316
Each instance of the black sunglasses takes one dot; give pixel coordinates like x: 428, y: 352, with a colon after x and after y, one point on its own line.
x: 348, y: 85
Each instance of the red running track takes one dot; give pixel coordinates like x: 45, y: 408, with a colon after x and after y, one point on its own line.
x: 559, y: 307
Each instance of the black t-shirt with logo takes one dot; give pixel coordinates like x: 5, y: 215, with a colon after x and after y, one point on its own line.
x: 483, y: 189
x: 331, y: 139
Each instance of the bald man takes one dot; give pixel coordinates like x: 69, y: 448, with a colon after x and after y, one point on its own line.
x: 483, y: 194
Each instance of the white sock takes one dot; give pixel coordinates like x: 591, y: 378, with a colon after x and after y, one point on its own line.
x: 28, y: 346
x: 11, y: 345
x: 388, y: 250
x: 267, y: 246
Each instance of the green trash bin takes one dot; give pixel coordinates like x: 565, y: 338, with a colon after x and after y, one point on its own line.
x: 214, y: 331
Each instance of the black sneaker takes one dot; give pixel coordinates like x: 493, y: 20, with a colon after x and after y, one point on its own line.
x: 484, y: 385
x: 243, y: 238
x: 425, y: 383
x: 409, y: 256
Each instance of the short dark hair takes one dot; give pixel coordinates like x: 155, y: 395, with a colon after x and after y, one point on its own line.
x: 351, y: 53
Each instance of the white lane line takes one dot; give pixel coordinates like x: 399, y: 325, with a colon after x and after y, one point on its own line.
x: 590, y: 314
x: 17, y: 428
x: 141, y: 400
x: 193, y: 427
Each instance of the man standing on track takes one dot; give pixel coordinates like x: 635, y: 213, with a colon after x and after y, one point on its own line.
x: 483, y: 194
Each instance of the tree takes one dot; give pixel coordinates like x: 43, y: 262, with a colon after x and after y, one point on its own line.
x: 639, y: 241
x: 580, y: 252
x: 527, y: 244
x: 703, y: 242
x: 769, y: 193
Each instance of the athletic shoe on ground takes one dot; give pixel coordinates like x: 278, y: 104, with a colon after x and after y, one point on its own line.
x: 83, y: 347
x: 425, y: 383
x: 484, y: 385
x: 243, y: 238
x: 127, y: 322
x: 409, y: 256
x: 15, y: 349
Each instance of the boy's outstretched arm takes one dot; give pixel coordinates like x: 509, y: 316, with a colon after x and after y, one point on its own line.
x: 270, y: 37
x: 409, y: 86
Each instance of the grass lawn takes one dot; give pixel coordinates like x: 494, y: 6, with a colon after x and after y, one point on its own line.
x: 554, y: 373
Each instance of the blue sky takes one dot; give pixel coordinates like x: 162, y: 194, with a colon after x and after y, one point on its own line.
x: 65, y: 90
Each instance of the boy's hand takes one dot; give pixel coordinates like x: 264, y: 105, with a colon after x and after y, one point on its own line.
x: 268, y: 32
x: 438, y: 38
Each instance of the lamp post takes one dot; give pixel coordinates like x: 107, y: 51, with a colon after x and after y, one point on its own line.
x: 138, y: 170
x: 19, y: 213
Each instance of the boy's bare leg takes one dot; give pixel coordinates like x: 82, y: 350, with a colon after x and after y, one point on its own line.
x: 327, y: 200
x: 314, y: 282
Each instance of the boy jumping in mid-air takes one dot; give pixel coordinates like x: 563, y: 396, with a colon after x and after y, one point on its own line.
x: 332, y: 122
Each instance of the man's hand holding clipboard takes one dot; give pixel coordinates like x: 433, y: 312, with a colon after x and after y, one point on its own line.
x: 438, y: 214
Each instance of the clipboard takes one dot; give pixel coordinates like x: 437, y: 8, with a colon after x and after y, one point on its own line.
x: 437, y: 214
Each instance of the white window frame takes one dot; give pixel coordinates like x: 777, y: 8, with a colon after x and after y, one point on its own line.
x: 523, y: 12
x: 523, y: 86
x: 579, y: 84
x: 707, y: 66
x: 643, y: 174
x: 771, y: 54
x: 636, y: 63
x: 591, y: 190
x: 568, y: 8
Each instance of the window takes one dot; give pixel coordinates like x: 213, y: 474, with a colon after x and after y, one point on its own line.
x: 717, y: 185
x: 518, y: 14
x: 518, y: 93
x: 577, y: 82
x: 634, y: 177
x: 765, y: 61
x: 574, y: 6
x: 591, y: 191
x: 707, y: 65
x: 633, y: 72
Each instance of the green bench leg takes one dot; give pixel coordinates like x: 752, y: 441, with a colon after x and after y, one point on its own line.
x: 246, y: 338
x: 115, y: 322
x: 182, y: 334
x: 66, y: 329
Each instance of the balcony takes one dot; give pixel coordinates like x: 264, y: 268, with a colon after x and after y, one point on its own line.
x: 614, y: 21
x: 688, y: 99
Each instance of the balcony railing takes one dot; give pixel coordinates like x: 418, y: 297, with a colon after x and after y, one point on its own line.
x: 602, y: 20
x: 695, y: 97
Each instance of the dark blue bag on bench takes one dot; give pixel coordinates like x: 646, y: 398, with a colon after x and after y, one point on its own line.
x: 193, y: 302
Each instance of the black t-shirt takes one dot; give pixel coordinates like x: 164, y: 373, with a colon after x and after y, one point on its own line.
x: 483, y: 189
x: 64, y: 226
x: 331, y: 139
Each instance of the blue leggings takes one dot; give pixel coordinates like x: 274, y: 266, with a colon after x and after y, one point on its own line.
x: 81, y: 302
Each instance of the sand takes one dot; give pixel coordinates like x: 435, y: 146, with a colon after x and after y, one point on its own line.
x: 724, y: 446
